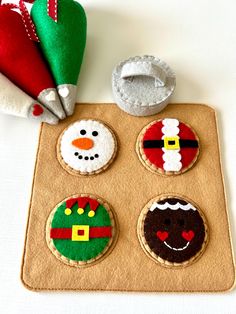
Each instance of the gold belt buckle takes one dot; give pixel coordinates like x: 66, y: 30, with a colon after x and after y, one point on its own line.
x: 76, y: 237
x: 171, y: 143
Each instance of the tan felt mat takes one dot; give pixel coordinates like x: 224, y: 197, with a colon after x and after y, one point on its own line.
x: 127, y: 186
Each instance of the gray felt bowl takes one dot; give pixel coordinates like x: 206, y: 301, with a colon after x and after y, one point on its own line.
x: 142, y: 86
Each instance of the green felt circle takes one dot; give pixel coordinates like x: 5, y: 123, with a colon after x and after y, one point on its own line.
x: 80, y: 250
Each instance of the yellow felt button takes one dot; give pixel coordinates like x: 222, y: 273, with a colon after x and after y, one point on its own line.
x: 68, y: 211
x: 91, y: 213
x: 80, y: 211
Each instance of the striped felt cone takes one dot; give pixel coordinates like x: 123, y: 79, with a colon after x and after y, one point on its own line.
x: 61, y: 27
x: 22, y: 62
x: 15, y: 102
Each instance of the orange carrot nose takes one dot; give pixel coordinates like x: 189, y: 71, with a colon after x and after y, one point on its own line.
x: 83, y: 143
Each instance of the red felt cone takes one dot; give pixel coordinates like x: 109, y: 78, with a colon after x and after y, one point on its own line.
x: 21, y: 61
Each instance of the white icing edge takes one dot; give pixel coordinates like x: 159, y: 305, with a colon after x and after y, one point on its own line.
x: 172, y: 158
x: 172, y: 207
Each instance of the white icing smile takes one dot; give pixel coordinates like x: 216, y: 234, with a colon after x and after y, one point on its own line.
x: 87, y: 146
x: 176, y: 249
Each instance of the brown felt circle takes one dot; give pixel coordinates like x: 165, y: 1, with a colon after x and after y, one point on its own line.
x: 175, y: 236
x: 75, y: 172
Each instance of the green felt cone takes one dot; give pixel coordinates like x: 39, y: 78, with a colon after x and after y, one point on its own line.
x: 63, y: 44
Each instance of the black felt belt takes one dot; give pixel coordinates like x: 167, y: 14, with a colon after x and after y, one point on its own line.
x: 160, y: 143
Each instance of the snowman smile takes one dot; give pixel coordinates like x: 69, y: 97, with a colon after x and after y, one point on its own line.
x: 79, y: 156
x: 177, y: 249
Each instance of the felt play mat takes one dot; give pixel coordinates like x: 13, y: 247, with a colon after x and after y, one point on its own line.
x: 91, y: 228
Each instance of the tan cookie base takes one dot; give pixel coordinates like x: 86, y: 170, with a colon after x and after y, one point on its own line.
x: 103, y: 254
x: 145, y: 246
x: 79, y: 173
x: 127, y: 186
x: 152, y: 167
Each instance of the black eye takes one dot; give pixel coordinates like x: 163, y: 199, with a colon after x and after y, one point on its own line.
x: 95, y: 133
x: 167, y: 221
x: 181, y: 222
x: 82, y: 132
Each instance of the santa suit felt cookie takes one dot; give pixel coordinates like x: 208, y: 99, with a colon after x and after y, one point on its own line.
x: 22, y: 62
x: 15, y: 102
x: 81, y: 230
x: 86, y: 147
x: 172, y: 231
x: 168, y: 146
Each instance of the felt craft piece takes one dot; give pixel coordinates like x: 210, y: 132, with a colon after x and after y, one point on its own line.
x: 142, y: 86
x: 128, y: 186
x: 21, y: 62
x: 63, y: 42
x: 167, y: 146
x: 15, y: 102
x: 81, y: 230
x: 172, y: 231
x: 86, y: 147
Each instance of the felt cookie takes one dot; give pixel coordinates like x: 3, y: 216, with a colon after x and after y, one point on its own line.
x: 142, y: 86
x: 15, y: 102
x: 86, y: 147
x: 22, y: 62
x: 81, y: 230
x: 61, y: 27
x: 172, y: 231
x: 168, y: 146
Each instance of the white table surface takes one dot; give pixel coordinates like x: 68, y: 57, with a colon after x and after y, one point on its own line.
x: 198, y: 39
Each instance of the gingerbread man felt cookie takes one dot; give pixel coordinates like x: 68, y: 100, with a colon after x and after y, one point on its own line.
x: 86, y: 147
x: 172, y: 231
x: 168, y: 147
x: 81, y: 230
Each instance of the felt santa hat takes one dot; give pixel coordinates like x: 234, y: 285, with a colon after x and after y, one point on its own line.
x: 16, y: 102
x: 82, y: 203
x: 21, y: 60
x: 61, y: 27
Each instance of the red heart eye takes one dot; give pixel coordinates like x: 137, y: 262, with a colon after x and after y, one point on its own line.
x: 162, y: 235
x: 188, y: 235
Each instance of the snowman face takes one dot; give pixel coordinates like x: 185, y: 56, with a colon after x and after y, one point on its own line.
x: 87, y: 146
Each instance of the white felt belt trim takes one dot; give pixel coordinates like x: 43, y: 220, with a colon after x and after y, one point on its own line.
x: 146, y: 68
x: 172, y: 158
x: 176, y: 206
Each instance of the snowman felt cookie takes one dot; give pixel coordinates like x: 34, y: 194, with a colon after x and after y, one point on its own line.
x: 81, y: 230
x: 168, y: 147
x: 172, y: 231
x: 86, y: 147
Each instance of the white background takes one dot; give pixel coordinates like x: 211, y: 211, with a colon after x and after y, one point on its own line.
x: 198, y: 40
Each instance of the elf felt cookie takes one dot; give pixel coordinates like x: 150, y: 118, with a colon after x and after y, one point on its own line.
x: 81, y: 230
x: 61, y: 27
x: 168, y: 146
x: 15, y: 102
x: 172, y: 231
x: 86, y: 147
x: 21, y: 60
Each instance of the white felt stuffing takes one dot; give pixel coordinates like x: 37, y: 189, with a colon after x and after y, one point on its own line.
x: 172, y: 158
x: 104, y: 146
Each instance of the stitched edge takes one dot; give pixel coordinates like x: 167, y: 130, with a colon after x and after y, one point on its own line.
x: 148, y: 165
x: 98, y: 258
x: 126, y: 290
x: 145, y: 246
x: 77, y: 172
x: 136, y: 103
